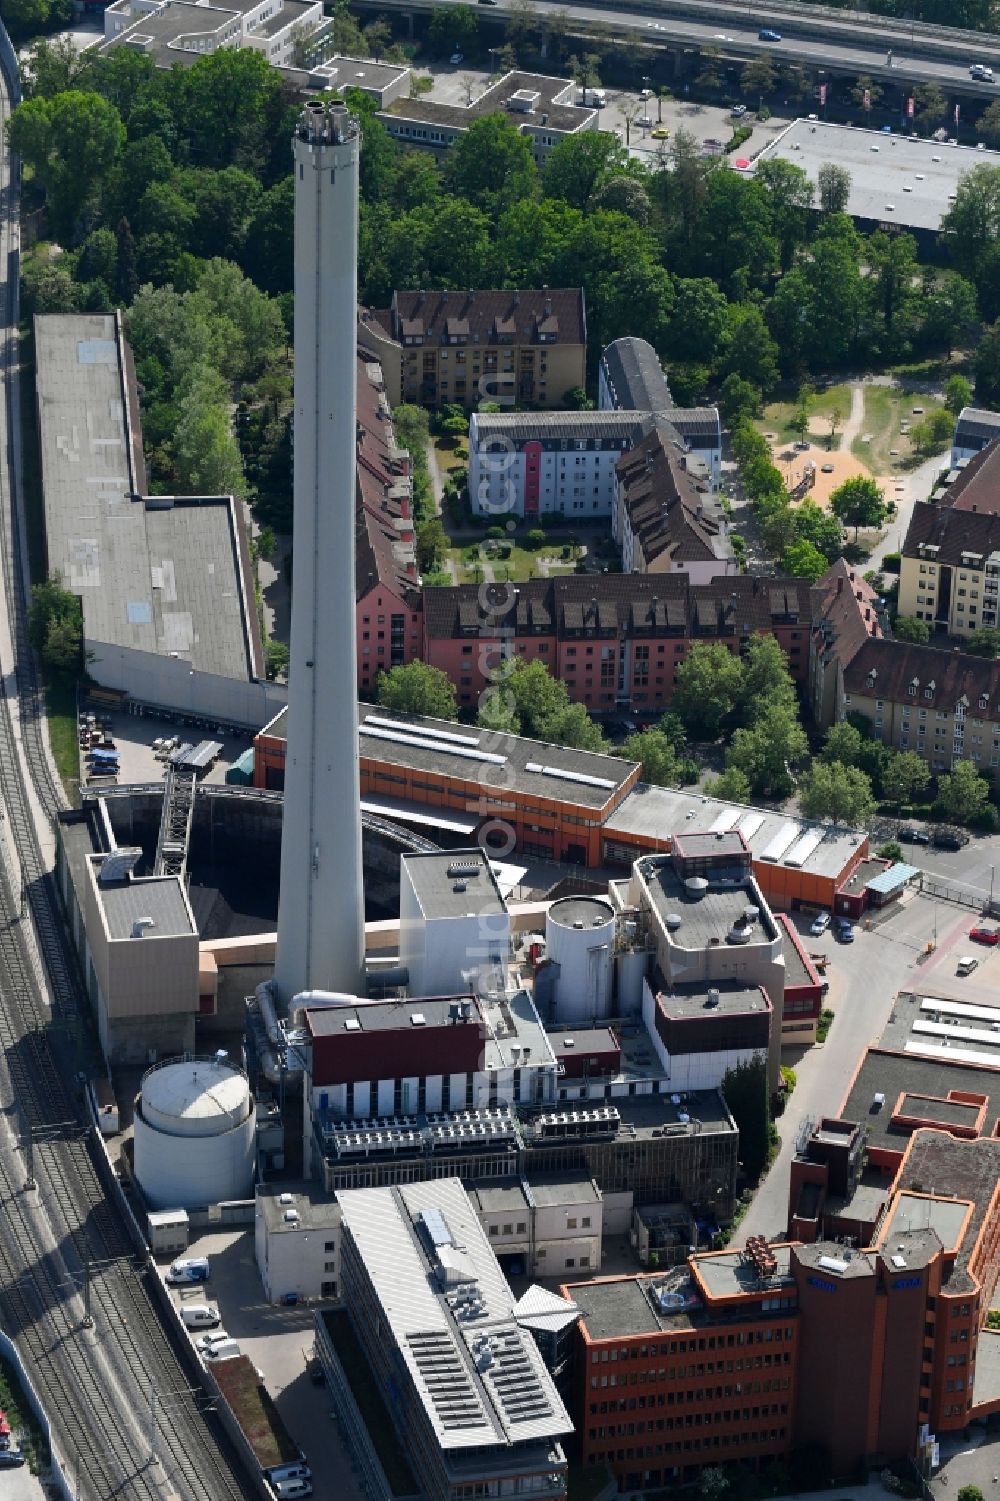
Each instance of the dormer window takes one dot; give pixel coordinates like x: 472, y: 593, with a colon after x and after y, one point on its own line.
x: 929, y: 690
x: 871, y: 678
x: 984, y: 700
x: 914, y: 685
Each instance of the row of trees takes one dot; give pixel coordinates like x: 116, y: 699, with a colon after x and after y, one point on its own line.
x: 732, y: 279
x: 747, y: 700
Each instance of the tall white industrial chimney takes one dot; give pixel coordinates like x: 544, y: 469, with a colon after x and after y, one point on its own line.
x: 321, y: 907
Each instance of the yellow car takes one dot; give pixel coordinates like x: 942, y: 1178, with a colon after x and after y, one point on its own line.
x: 661, y: 133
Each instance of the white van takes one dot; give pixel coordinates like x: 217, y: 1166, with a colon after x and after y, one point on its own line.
x: 967, y: 964
x: 200, y: 1315
x: 188, y: 1269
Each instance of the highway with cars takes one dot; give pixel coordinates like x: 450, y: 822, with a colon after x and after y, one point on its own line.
x: 128, y: 1418
x: 893, y: 52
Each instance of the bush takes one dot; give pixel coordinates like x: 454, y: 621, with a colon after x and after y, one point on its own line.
x: 740, y: 134
x: 891, y: 562
x: 535, y: 538
x: 824, y: 1024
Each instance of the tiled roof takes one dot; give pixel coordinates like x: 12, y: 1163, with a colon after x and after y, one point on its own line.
x: 558, y: 313
x: 541, y: 427
x: 952, y: 531
x: 947, y: 676
x: 629, y: 603
x: 636, y: 376
x: 668, y: 511
x: 845, y: 610
x: 383, y: 555
x: 977, y: 487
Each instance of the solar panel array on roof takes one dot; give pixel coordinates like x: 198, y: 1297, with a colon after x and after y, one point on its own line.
x: 725, y: 820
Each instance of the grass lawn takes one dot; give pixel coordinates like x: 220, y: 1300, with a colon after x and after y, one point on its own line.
x: 522, y: 563
x: 450, y: 455
x: 778, y: 414
x: 60, y: 704
x: 885, y: 408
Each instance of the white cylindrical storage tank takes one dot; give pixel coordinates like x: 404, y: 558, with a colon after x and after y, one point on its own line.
x: 630, y: 968
x: 194, y: 1134
x: 580, y: 938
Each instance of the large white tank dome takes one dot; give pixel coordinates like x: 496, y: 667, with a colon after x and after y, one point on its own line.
x: 194, y: 1133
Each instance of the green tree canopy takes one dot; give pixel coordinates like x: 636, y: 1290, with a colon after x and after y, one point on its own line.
x: 841, y: 793
x: 70, y: 141
x: 957, y: 390
x: 842, y: 742
x: 731, y: 785
x: 491, y: 165
x: 579, y: 165
x: 908, y: 628
x: 527, y: 699
x: 745, y: 1091
x: 55, y: 624
x: 833, y: 183
x: 707, y: 688
x: 963, y: 795
x: 859, y: 502
x: 417, y: 688
x: 657, y: 756
x: 768, y: 749
x: 983, y: 642
x: 803, y: 559
x: 906, y: 777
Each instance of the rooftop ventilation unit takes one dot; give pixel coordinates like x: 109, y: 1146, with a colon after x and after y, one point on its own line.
x: 140, y: 925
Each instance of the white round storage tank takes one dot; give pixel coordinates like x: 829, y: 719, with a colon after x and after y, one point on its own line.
x: 194, y: 1134
x: 580, y: 938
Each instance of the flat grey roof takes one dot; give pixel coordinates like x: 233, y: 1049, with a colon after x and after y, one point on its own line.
x: 641, y: 1115
x: 894, y: 1073
x: 910, y: 1212
x: 471, y: 886
x: 173, y: 29
x: 386, y: 1016
x: 549, y: 1192
x: 156, y: 575
x: 729, y: 1272
x: 359, y: 73
x: 159, y: 897
x: 710, y: 917
x: 506, y: 1196
x: 616, y: 1307
x: 316, y: 1210
x: 895, y: 179
x: 662, y: 812
x: 685, y: 1001
x: 468, y: 753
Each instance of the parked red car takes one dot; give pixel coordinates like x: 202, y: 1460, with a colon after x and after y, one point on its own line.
x: 989, y: 936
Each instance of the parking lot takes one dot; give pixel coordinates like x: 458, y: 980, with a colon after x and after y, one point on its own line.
x: 278, y: 1341
x: 460, y: 83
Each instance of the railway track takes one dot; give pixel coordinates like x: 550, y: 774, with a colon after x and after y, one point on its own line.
x: 100, y: 1385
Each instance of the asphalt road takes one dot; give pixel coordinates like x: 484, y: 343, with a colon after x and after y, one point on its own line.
x: 864, y: 49
x: 864, y: 978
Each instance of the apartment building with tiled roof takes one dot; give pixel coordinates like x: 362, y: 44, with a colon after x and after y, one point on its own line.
x: 615, y: 640
x: 387, y: 588
x: 846, y: 611
x: 666, y: 518
x: 464, y: 347
x: 950, y: 568
x: 945, y: 705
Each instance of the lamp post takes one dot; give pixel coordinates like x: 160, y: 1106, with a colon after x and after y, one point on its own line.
x: 991, y: 890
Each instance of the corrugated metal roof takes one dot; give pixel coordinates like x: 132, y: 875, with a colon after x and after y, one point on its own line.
x: 897, y: 875
x: 480, y: 1376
